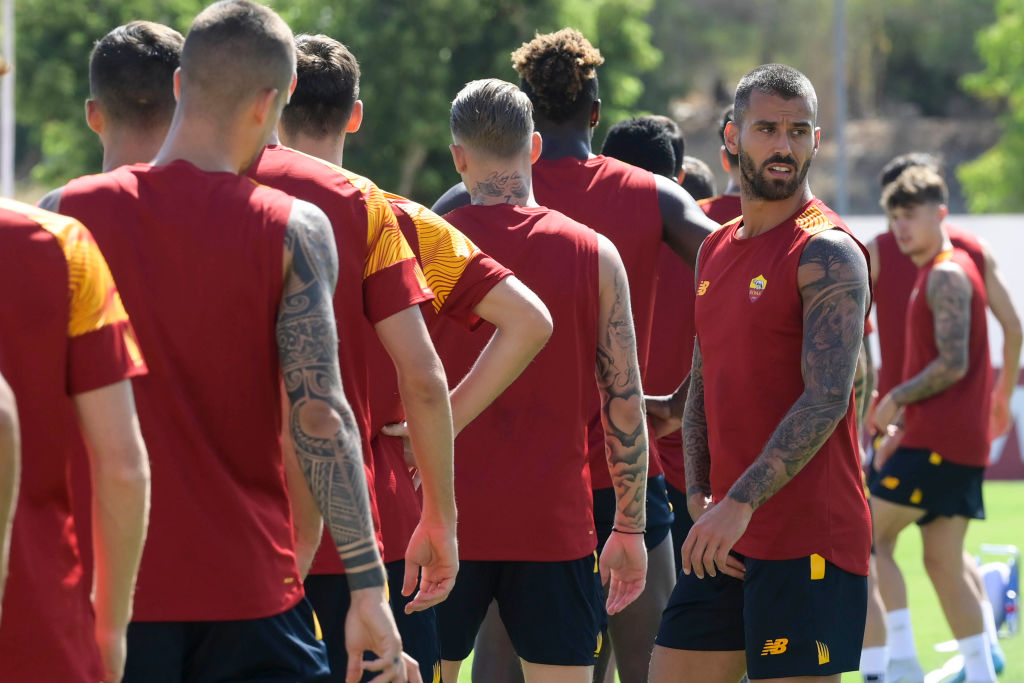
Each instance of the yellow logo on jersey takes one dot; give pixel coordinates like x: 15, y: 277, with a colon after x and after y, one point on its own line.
x: 702, y: 287
x: 774, y: 647
x: 823, y: 657
x: 757, y: 287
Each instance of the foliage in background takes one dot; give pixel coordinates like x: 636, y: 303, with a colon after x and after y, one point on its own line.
x: 993, y: 181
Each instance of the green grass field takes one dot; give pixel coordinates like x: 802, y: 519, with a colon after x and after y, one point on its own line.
x: 1004, y: 502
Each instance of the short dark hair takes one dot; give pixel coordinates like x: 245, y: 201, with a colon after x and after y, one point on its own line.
x: 699, y: 181
x: 892, y: 170
x: 492, y: 116
x: 559, y: 74
x: 642, y: 141
x: 131, y: 73
x: 773, y: 79
x: 327, y: 88
x: 675, y: 134
x: 734, y: 159
x: 915, y: 185
x: 234, y: 50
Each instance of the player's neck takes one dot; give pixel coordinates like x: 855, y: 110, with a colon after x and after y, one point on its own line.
x: 131, y: 147
x: 207, y: 145
x: 329, y: 148
x: 926, y: 256
x: 565, y: 140
x: 761, y: 215
x: 500, y: 184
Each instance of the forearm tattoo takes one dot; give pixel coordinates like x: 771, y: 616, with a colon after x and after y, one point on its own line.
x: 504, y: 185
x: 696, y: 453
x: 834, y: 292
x: 622, y: 414
x: 949, y: 297
x: 307, y: 341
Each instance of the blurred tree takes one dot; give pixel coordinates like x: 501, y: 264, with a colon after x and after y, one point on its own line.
x: 993, y: 181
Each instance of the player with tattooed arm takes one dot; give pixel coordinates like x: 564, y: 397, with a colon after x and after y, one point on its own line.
x: 527, y: 537
x: 219, y: 331
x: 774, y: 578
x: 943, y: 402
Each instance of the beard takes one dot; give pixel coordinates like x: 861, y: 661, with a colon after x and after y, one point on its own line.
x: 756, y: 186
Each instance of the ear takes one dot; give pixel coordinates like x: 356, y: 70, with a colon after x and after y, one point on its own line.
x: 817, y: 139
x: 291, y: 86
x: 459, y: 157
x: 536, y: 147
x: 177, y: 84
x: 943, y: 212
x: 356, y: 119
x: 94, y: 116
x: 595, y: 114
x: 732, y: 137
x: 263, y: 107
x: 723, y: 157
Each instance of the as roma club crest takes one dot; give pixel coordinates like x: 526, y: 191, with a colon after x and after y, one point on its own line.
x: 757, y: 287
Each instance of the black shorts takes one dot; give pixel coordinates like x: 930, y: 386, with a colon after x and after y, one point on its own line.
x: 420, y: 637
x: 553, y: 611
x: 659, y: 513
x: 802, y: 617
x: 279, y: 648
x: 921, y: 478
x: 682, y: 523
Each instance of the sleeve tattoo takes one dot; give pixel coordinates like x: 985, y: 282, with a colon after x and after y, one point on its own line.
x: 696, y: 453
x: 618, y: 378
x: 833, y: 285
x: 949, y: 297
x: 322, y: 425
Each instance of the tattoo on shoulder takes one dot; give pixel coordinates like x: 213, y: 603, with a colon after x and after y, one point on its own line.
x: 834, y: 288
x: 507, y: 186
x: 329, y: 450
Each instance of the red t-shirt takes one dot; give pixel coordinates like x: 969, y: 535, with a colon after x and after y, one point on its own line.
x: 460, y: 276
x: 197, y: 257
x: 749, y: 317
x: 721, y: 209
x: 66, y: 333
x: 954, y: 422
x: 619, y: 201
x: 373, y: 259
x: 521, y: 477
x: 896, y: 277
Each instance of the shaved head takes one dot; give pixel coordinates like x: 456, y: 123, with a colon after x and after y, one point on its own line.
x: 234, y: 51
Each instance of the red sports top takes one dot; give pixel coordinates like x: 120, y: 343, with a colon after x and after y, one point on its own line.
x: 896, y: 277
x: 521, y: 477
x: 66, y: 333
x: 954, y: 422
x: 373, y: 259
x: 197, y: 257
x: 460, y: 276
x: 721, y: 209
x: 619, y: 201
x: 749, y: 317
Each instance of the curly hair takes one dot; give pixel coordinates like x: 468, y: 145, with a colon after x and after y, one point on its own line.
x: 559, y: 72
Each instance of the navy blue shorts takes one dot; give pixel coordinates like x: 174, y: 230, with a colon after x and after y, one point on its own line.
x: 420, y: 637
x: 921, y: 478
x: 681, y: 524
x: 659, y: 513
x: 802, y: 617
x: 553, y: 611
x: 282, y: 648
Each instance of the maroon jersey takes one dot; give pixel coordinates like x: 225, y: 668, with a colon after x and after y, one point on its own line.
x: 460, y: 276
x: 896, y: 277
x: 954, y: 422
x: 521, y: 476
x: 377, y: 277
x: 66, y: 332
x: 197, y: 257
x: 749, y: 317
x: 620, y: 202
x: 721, y: 209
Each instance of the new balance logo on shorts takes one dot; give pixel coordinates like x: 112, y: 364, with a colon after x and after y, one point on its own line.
x: 774, y: 647
x: 822, y: 653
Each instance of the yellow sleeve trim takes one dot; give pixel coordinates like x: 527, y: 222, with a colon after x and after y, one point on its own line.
x: 813, y: 221
x: 385, y: 245
x: 444, y: 251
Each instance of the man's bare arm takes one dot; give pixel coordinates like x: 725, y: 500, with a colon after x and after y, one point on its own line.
x: 322, y: 425
x: 684, y: 223
x: 949, y: 297
x: 1001, y: 304
x: 618, y: 379
x: 696, y: 452
x: 833, y: 281
x: 307, y: 522
x: 10, y: 474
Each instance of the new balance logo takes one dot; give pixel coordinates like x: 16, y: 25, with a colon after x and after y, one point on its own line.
x: 822, y: 653
x: 702, y: 287
x: 774, y: 647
